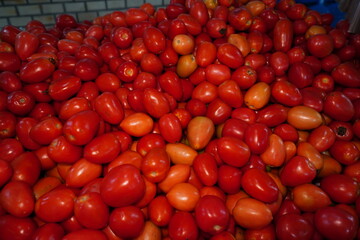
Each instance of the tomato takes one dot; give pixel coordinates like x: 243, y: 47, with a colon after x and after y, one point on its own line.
x: 340, y: 188
x: 91, y: 211
x: 259, y: 185
x: 274, y: 154
x: 137, y: 124
x: 320, y: 45
x: 199, y: 11
x: 122, y: 186
x: 155, y: 165
x: 211, y: 214
x: 308, y: 197
x: 294, y: 226
x: 229, y: 178
x: 85, y: 234
x: 251, y: 213
x: 55, y: 205
x: 257, y: 96
x: 256, y: 136
x: 88, y: 121
x: 230, y: 55
x: 26, y: 44
x: 86, y: 69
x: 338, y: 106
x: 109, y: 108
x: 23, y: 204
x: 303, y: 118
x: 205, y: 168
x: 48, y: 231
x: 183, y: 44
x: 183, y: 226
x: 12, y: 227
x: 346, y: 74
x: 20, y: 102
x: 283, y: 35
x: 160, y: 211
x: 155, y: 103
x: 9, y: 62
x: 333, y: 222
x: 183, y: 196
x: 26, y: 167
x: 10, y: 82
x: 345, y: 152
x: 240, y: 18
x: 64, y: 88
x: 45, y: 131
x: 186, y: 65
x: 82, y: 172
x: 322, y: 138
x: 298, y: 170
x: 205, y: 54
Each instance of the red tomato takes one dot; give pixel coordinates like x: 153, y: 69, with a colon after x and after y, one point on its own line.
x: 259, y: 185
x: 240, y: 18
x: 257, y: 136
x: 20, y: 102
x: 26, y: 167
x: 88, y: 121
x: 9, y: 62
x: 294, y: 226
x: 91, y: 211
x: 127, y: 221
x: 26, y: 44
x: 45, y: 131
x: 205, y: 168
x: 56, y: 205
x: 122, y: 186
x: 154, y: 40
x: 12, y: 227
x: 183, y: 226
x: 320, y: 45
x: 170, y: 128
x: 49, y: 231
x: 298, y: 170
x: 230, y: 55
x: 229, y: 179
x: 211, y: 214
x: 333, y: 222
x: 17, y: 199
x: 200, y: 131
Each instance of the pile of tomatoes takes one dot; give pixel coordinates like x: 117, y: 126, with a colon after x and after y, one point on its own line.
x: 228, y: 119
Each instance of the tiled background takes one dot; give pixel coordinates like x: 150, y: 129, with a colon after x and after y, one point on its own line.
x: 20, y: 12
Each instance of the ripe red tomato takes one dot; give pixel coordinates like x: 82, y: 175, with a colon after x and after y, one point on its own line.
x: 183, y: 226
x: 127, y: 221
x: 122, y: 186
x: 294, y: 226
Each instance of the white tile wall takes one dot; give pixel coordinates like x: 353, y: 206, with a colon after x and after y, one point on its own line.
x: 20, y: 12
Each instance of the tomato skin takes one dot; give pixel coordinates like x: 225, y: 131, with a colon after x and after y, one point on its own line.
x: 12, y: 227
x: 23, y: 204
x: 346, y: 74
x: 9, y: 62
x: 338, y: 106
x: 340, y: 188
x: 122, y: 186
x: 26, y: 167
x: 64, y: 88
x: 259, y: 185
x: 160, y: 211
x: 333, y: 222
x: 257, y: 96
x: 26, y: 44
x: 183, y: 226
x: 22, y: 129
x: 91, y: 211
x: 102, y: 149
x: 20, y: 102
x: 233, y: 151
x: 56, y: 205
x: 183, y: 196
x: 229, y: 179
x: 83, y: 234
x: 108, y: 106
x: 154, y: 40
x: 309, y: 197
x: 155, y: 103
x: 298, y: 170
x: 229, y: 92
x: 322, y: 138
x: 256, y: 136
x: 45, y: 131
x: 283, y: 35
x: 205, y: 168
x: 211, y: 214
x: 320, y: 45
x: 127, y: 221
x: 49, y: 231
x: 61, y: 150
x: 303, y: 118
x: 345, y: 152
x: 205, y: 54
x: 88, y: 121
x: 137, y: 124
x: 272, y: 115
x: 37, y: 70
x: 294, y: 226
x: 250, y: 208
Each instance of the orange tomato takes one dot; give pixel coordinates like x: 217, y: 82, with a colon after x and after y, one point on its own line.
x: 314, y: 30
x: 82, y: 172
x: 307, y: 150
x: 128, y: 157
x: 150, y: 231
x: 255, y: 7
x: 290, y: 150
x: 177, y: 174
x: 200, y: 130
x: 183, y: 196
x: 137, y: 124
x: 251, y: 213
x: 180, y: 153
x: 240, y: 42
x: 232, y: 199
x: 275, y: 153
x: 186, y: 65
x: 330, y: 166
x: 183, y: 44
x: 257, y: 96
x: 309, y: 197
x: 304, y: 118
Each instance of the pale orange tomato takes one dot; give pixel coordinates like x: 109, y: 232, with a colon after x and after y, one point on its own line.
x: 257, y: 96
x: 183, y: 196
x: 200, y: 130
x: 304, y: 118
x: 183, y: 44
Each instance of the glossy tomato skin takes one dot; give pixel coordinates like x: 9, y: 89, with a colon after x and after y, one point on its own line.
x: 170, y: 127
x: 283, y: 35
x: 108, y: 106
x: 258, y: 184
x: 294, y: 226
x: 320, y: 45
x: 23, y: 204
x: 160, y: 211
x: 85, y: 234
x: 229, y: 179
x: 20, y: 102
x: 9, y: 62
x: 183, y: 226
x: 45, y: 131
x: 12, y: 227
x: 205, y: 168
x: 256, y: 136
x: 88, y: 121
x: 49, y: 231
x: 338, y: 106
x: 127, y: 222
x: 298, y: 170
x: 56, y: 205
x: 26, y: 167
x: 211, y: 214
x: 91, y: 211
x: 122, y: 186
x: 333, y: 222
x: 340, y: 188
x: 26, y: 44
